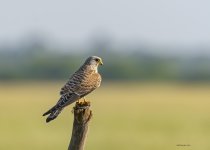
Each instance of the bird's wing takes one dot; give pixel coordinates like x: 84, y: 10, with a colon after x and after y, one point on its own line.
x: 81, y: 84
x: 72, y: 85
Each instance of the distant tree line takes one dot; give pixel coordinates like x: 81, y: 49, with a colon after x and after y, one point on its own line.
x: 50, y: 65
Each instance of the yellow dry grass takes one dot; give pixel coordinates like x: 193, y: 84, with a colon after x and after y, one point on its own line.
x: 126, y: 116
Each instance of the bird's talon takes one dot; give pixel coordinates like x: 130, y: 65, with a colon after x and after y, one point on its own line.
x: 84, y: 100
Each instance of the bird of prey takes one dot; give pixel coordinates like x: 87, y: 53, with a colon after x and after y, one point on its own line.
x: 82, y: 82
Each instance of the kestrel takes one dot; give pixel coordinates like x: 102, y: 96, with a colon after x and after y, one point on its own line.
x: 82, y: 82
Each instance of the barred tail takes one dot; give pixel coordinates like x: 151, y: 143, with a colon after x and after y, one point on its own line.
x: 64, y: 101
x: 51, y: 110
x: 53, y: 115
x: 59, y: 105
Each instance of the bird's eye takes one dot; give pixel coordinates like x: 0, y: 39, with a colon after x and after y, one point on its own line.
x: 97, y: 60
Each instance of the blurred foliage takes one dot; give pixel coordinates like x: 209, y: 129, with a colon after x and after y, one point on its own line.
x: 36, y: 61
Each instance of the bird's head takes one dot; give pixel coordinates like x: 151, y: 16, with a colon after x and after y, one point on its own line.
x: 94, y: 62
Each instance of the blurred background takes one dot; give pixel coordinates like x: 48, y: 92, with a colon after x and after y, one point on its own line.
x: 156, y: 73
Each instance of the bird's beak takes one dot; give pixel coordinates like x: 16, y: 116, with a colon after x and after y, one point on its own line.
x: 101, y: 63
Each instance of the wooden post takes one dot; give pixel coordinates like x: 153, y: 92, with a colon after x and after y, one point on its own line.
x: 82, y: 116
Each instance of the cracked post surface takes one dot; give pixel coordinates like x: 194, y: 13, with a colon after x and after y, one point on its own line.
x: 82, y: 116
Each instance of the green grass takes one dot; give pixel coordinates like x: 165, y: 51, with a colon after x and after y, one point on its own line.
x: 126, y: 116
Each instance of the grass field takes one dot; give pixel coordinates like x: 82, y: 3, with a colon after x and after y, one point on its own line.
x: 126, y: 116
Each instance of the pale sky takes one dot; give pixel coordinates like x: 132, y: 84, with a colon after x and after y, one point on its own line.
x: 164, y: 22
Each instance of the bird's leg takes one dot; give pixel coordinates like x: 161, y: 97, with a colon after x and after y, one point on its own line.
x: 84, y: 99
x: 78, y: 101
